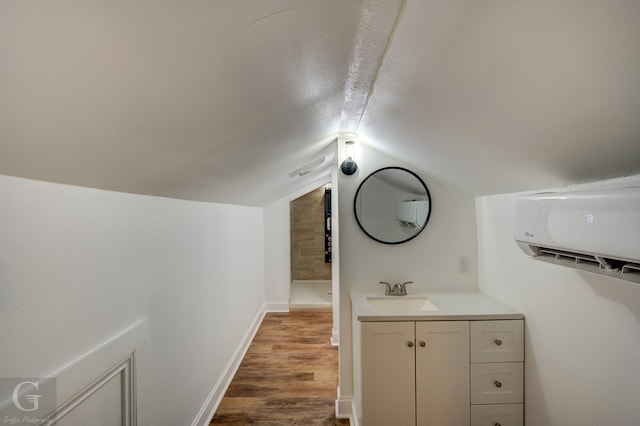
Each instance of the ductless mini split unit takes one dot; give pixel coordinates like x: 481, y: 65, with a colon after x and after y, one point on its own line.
x: 596, y: 231
x: 412, y: 213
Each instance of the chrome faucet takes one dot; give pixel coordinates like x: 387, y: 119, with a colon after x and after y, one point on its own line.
x: 398, y: 289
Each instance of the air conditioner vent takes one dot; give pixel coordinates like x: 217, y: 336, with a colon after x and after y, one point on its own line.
x: 631, y: 268
x: 561, y: 254
x: 617, y: 268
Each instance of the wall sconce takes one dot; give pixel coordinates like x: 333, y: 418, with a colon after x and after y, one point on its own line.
x: 349, y: 165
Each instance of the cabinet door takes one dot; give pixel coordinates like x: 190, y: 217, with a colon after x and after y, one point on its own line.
x: 388, y: 374
x: 442, y: 373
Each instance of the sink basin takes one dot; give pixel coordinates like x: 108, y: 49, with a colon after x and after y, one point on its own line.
x: 400, y: 304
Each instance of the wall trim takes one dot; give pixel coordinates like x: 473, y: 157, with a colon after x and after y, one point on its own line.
x: 206, y: 413
x: 126, y: 371
x: 123, y: 355
x: 276, y: 306
x: 353, y: 418
x: 335, y: 337
x: 345, y: 408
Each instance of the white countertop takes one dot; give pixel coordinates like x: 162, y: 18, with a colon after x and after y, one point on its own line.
x: 451, y: 307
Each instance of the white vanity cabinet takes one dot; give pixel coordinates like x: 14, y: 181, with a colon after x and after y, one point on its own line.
x: 457, y: 362
x: 415, y: 373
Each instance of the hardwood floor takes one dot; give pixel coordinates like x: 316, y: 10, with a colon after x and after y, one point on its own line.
x: 289, y: 375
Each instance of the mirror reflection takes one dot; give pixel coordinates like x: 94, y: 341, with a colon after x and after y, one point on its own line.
x: 392, y: 205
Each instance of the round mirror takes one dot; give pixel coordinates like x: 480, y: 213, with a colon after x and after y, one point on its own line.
x: 392, y: 205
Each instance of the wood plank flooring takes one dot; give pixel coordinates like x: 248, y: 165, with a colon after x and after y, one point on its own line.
x: 289, y: 375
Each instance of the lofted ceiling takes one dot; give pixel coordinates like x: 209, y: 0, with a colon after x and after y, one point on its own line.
x: 238, y: 101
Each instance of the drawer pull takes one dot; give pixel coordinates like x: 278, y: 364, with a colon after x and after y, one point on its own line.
x: 410, y: 344
x: 498, y: 384
x: 423, y: 344
x: 498, y: 342
x: 497, y: 424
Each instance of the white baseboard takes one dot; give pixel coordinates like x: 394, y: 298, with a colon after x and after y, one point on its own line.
x: 335, y: 338
x: 345, y: 409
x: 344, y: 415
x: 210, y: 406
x: 276, y: 306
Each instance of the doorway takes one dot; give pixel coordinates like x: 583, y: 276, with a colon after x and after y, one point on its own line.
x: 311, y: 254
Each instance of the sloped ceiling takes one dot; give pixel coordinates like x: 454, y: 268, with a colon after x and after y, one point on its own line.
x: 503, y: 96
x: 226, y: 101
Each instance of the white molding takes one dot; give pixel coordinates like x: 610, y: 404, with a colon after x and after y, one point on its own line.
x: 126, y: 371
x: 345, y: 408
x: 353, y: 418
x: 125, y: 354
x: 276, y: 306
x: 206, y: 413
x: 335, y: 338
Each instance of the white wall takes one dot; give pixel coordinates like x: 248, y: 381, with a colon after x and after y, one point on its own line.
x: 582, y: 330
x: 78, y: 265
x: 431, y: 261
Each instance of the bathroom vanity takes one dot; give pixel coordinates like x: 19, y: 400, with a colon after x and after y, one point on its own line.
x: 437, y: 359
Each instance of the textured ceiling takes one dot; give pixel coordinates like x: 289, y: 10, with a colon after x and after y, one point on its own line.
x: 502, y: 96
x: 226, y: 101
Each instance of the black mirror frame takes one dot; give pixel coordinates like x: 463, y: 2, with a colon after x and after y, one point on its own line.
x: 355, y: 211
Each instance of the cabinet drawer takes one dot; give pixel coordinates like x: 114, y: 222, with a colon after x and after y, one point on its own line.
x: 497, y: 415
x: 497, y: 383
x: 497, y: 341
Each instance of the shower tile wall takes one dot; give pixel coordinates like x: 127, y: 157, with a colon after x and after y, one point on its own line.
x: 307, y: 238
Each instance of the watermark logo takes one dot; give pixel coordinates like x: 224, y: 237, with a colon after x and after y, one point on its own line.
x: 26, y: 400
x: 34, y: 399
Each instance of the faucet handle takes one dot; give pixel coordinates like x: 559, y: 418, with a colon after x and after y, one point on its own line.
x: 403, y: 288
x: 387, y: 290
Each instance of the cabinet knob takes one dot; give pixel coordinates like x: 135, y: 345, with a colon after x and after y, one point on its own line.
x: 423, y: 344
x: 498, y: 384
x: 410, y: 344
x: 498, y: 342
x: 497, y: 424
